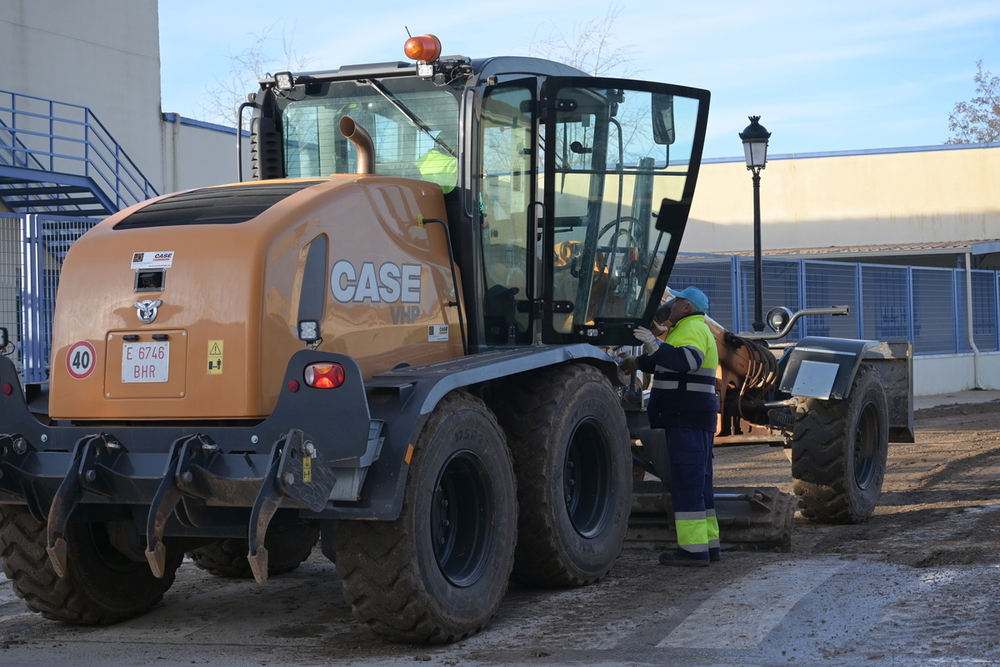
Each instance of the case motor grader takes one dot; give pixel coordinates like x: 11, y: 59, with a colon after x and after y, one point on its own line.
x: 389, y: 341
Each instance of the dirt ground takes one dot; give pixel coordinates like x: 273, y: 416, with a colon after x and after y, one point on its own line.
x: 916, y: 584
x: 930, y: 485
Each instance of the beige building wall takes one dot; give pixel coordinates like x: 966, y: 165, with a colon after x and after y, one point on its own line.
x: 197, y: 154
x: 105, y: 55
x: 102, y: 54
x: 939, y: 193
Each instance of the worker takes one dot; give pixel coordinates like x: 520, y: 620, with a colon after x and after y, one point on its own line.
x: 439, y: 164
x: 684, y: 403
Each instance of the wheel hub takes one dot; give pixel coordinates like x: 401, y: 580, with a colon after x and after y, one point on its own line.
x: 462, y: 515
x: 865, y: 446
x: 587, y: 478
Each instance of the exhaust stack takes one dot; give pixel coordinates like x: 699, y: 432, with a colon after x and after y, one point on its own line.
x: 362, y: 141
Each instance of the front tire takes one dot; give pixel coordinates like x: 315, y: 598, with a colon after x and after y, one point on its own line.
x: 573, y: 461
x: 437, y: 574
x: 101, y: 586
x: 839, y: 452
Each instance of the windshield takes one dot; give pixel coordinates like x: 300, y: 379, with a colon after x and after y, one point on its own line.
x: 413, y: 123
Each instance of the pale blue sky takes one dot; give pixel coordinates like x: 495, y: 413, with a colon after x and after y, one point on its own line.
x: 830, y: 76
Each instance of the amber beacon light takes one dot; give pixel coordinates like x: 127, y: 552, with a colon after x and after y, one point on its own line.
x: 425, y: 48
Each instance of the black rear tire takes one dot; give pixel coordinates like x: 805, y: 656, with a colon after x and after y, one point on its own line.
x: 288, y: 545
x: 839, y: 451
x: 573, y: 460
x: 101, y: 586
x: 437, y: 574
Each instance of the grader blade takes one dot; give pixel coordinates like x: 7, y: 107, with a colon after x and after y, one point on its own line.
x: 750, y: 519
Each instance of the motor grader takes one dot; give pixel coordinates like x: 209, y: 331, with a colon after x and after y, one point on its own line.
x: 392, y: 340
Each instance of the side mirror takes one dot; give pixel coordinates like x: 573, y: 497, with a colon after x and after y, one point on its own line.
x: 664, y: 132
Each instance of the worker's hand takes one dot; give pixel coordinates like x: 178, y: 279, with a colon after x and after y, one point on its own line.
x: 648, y: 340
x: 629, y: 365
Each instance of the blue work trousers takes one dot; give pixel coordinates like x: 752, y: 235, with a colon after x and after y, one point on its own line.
x: 691, y: 492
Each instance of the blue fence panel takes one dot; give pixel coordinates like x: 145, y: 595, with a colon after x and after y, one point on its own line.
x: 984, y: 310
x: 885, y: 303
x: 831, y: 284
x: 32, y: 250
x: 715, y: 278
x: 11, y: 260
x: 936, y: 310
x: 57, y: 234
x: 781, y: 287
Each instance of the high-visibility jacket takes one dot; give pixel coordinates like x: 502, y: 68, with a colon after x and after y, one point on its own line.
x: 683, y: 391
x: 440, y: 168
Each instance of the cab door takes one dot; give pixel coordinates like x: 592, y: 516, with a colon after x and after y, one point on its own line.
x: 620, y: 162
x: 507, y: 211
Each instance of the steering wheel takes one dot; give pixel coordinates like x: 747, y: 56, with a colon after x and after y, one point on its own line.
x: 624, y: 251
x: 628, y: 232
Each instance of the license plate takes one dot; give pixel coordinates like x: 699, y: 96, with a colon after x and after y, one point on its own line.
x: 145, y: 362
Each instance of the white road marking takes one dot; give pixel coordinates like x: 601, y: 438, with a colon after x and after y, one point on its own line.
x: 6, y: 590
x: 741, y: 615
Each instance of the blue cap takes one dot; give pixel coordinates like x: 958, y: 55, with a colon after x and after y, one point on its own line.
x: 694, y: 295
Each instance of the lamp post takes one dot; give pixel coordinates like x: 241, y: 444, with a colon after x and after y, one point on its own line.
x: 755, y: 149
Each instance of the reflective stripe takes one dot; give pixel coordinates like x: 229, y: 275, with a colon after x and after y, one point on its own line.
x: 690, y: 516
x: 692, y: 362
x: 691, y: 386
x: 701, y: 372
x: 713, y: 530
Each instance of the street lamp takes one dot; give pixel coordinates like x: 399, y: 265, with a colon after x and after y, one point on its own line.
x: 755, y: 149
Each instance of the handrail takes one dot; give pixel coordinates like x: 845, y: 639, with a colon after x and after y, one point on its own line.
x: 69, y: 138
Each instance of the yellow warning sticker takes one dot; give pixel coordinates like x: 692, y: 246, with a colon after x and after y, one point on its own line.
x: 215, y: 348
x: 307, y: 469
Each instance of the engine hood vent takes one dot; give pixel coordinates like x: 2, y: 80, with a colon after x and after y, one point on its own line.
x: 226, y: 205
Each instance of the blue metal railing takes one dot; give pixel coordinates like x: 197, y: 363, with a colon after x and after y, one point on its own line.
x: 63, y: 138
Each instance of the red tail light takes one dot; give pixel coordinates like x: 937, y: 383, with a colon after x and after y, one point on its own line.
x: 325, y: 375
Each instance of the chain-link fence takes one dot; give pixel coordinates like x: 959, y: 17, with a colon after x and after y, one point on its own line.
x: 888, y: 303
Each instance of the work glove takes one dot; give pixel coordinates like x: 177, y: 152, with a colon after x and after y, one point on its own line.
x: 648, y: 340
x: 629, y: 365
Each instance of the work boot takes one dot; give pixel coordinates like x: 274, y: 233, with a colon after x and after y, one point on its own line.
x: 683, y: 558
x: 715, y: 554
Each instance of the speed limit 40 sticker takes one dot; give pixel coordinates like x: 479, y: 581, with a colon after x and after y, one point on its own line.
x: 81, y: 359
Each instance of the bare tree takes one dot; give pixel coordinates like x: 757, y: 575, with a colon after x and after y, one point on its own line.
x: 591, y: 46
x: 246, y: 68
x: 978, y: 121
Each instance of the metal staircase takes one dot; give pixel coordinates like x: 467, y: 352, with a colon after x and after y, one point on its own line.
x: 59, y: 159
